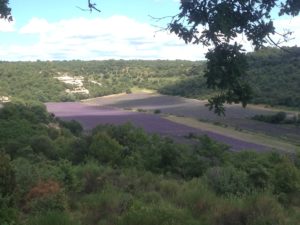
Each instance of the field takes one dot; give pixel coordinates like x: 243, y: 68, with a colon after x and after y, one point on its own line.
x: 177, y: 117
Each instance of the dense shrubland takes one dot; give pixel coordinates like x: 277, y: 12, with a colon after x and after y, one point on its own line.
x: 274, y: 77
x: 52, y: 173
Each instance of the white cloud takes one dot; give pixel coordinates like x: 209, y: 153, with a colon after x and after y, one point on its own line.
x: 117, y: 37
x: 6, y: 26
x: 36, y: 26
x: 288, y: 24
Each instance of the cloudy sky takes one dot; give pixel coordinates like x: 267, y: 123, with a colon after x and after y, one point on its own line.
x: 60, y: 30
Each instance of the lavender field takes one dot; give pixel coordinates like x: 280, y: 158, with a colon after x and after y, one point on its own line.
x: 91, y: 115
x: 236, y: 117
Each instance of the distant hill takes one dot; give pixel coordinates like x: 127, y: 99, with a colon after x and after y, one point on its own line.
x: 274, y: 76
x: 45, y: 81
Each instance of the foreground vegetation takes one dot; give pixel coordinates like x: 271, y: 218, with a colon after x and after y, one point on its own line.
x: 274, y: 77
x: 52, y: 173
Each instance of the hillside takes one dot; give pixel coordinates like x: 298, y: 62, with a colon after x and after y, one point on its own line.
x: 274, y: 76
x: 59, y: 81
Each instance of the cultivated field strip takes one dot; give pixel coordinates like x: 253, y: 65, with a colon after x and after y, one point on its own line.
x: 92, y: 115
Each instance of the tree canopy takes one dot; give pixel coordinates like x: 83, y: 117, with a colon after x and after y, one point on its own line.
x: 5, y: 11
x: 216, y: 24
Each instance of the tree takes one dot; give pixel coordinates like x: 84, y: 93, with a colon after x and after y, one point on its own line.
x: 216, y: 24
x: 5, y: 11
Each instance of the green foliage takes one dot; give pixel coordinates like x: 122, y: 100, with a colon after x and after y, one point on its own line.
x: 228, y: 181
x: 276, y: 118
x: 287, y: 177
x: 7, y: 176
x: 43, y: 144
x: 5, y: 11
x: 122, y: 175
x: 51, y: 202
x: 156, y: 214
x: 275, y: 76
x: 74, y: 126
x: 103, y: 207
x: 8, y: 214
x: 36, y: 80
x: 226, y: 68
x: 52, y: 218
x: 258, y: 209
x: 222, y: 22
x: 105, y: 149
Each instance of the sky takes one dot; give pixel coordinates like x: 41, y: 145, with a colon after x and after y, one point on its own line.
x: 60, y: 30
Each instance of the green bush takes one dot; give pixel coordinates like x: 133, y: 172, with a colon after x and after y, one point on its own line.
x: 258, y: 209
x: 104, y: 207
x: 52, y: 218
x: 72, y: 125
x: 7, y: 176
x: 43, y: 144
x: 228, y: 181
x: 46, y: 196
x: 153, y: 214
x: 105, y: 149
x: 279, y: 117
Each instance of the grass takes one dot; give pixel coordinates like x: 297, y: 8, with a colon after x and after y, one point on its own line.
x: 144, y: 90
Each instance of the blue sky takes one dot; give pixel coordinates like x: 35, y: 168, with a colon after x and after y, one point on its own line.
x: 58, y: 30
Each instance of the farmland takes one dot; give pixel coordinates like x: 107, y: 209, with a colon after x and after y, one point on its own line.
x: 179, y: 117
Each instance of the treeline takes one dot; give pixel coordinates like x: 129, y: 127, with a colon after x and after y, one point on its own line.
x: 35, y: 80
x: 274, y: 75
x: 52, y: 173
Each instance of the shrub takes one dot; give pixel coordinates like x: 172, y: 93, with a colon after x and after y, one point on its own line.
x: 52, y: 218
x: 46, y: 196
x: 105, y: 149
x: 43, y: 144
x: 276, y: 118
x: 197, y: 197
x: 287, y: 177
x: 104, y: 207
x: 72, y: 125
x: 157, y: 111
x: 153, y: 214
x: 8, y: 214
x: 89, y: 177
x: 264, y: 209
x: 7, y: 176
x: 258, y: 209
x: 228, y: 181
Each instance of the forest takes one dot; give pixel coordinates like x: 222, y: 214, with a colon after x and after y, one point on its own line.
x: 273, y: 75
x: 53, y: 173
